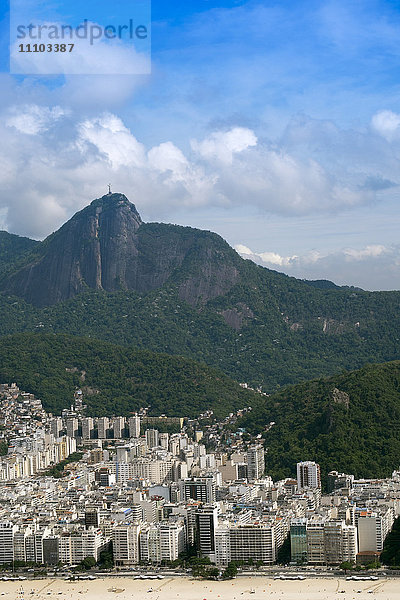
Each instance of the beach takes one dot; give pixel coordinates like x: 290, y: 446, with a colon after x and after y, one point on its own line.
x: 184, y: 588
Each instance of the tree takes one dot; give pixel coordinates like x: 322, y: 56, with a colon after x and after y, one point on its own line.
x: 346, y: 566
x: 106, y: 560
x: 88, y: 563
x: 213, y: 573
x: 231, y: 571
x: 373, y: 565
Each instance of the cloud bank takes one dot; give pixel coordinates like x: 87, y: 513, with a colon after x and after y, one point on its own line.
x: 53, y: 162
x: 348, y: 266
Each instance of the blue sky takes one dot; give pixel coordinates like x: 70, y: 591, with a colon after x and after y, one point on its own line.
x: 276, y: 124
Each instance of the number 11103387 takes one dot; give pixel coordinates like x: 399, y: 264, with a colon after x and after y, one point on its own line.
x: 46, y: 47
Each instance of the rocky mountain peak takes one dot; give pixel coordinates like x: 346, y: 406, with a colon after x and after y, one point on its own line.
x: 115, y: 201
x: 106, y: 246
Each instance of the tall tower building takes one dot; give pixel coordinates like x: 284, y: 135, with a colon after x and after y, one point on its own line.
x: 206, y: 524
x: 103, y: 424
x: 87, y: 428
x: 308, y: 475
x: 163, y: 439
x: 255, y: 462
x: 152, y: 438
x: 72, y: 427
x: 7, y: 533
x: 118, y: 426
x: 134, y: 426
x: 126, y: 544
x: 56, y: 426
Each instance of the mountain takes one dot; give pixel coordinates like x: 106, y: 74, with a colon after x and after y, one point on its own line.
x: 349, y: 423
x: 106, y: 246
x: 13, y: 248
x: 107, y: 275
x: 115, y: 380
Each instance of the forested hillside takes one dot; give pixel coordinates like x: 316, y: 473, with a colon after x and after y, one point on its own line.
x: 115, y: 380
x: 107, y: 275
x: 349, y: 423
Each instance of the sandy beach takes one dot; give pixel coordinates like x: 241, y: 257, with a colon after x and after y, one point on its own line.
x: 254, y: 588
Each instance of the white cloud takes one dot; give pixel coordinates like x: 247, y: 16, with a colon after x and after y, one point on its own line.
x: 222, y: 146
x: 275, y: 259
x: 113, y: 140
x: 167, y: 157
x: 48, y: 152
x: 387, y: 124
x: 33, y: 119
x: 374, y: 267
x: 370, y: 251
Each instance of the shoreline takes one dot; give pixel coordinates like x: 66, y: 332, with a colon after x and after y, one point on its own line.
x: 254, y: 587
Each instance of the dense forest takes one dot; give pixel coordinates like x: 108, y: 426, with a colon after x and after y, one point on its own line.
x: 270, y: 334
x: 115, y: 380
x: 349, y: 423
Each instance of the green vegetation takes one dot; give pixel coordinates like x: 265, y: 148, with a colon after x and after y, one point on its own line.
x: 269, y: 329
x: 13, y: 248
x: 230, y: 572
x: 86, y: 564
x: 346, y: 566
x: 203, y: 567
x: 59, y: 470
x: 106, y: 560
x: 348, y: 423
x: 115, y: 380
x: 3, y: 448
x: 391, y: 547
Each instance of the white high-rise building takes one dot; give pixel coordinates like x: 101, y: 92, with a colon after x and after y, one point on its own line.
x: 75, y: 547
x: 340, y: 541
x: 253, y: 541
x: 174, y: 444
x: 134, y: 426
x: 7, y: 533
x: 308, y: 475
x: 373, y: 529
x: 316, y: 542
x: 152, y: 438
x: 87, y: 428
x: 162, y: 542
x: 126, y: 544
x: 223, y: 545
x: 198, y: 488
x: 118, y: 427
x: 103, y: 425
x: 255, y: 462
x: 163, y: 440
x: 331, y: 542
x: 56, y: 426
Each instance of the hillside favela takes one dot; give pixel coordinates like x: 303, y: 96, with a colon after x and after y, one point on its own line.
x: 127, y: 462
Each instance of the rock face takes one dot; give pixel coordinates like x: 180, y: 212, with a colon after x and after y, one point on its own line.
x: 106, y: 246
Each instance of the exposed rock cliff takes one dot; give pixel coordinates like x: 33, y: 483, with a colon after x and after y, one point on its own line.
x: 107, y: 246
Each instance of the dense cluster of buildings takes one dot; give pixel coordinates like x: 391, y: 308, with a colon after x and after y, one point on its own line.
x: 32, y: 445
x: 154, y: 495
